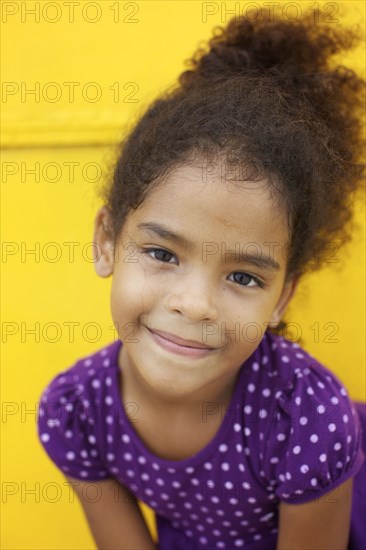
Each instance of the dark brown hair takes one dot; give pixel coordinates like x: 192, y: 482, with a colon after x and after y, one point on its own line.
x: 264, y: 99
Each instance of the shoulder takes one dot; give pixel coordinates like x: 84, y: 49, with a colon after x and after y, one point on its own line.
x: 313, y: 434
x: 293, y: 371
x: 67, y: 412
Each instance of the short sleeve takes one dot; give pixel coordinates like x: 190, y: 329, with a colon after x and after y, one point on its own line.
x: 315, y: 437
x: 66, y: 429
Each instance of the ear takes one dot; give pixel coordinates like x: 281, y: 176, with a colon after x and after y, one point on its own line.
x: 103, y: 251
x: 287, y: 293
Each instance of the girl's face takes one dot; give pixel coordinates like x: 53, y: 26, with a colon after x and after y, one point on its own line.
x: 176, y: 268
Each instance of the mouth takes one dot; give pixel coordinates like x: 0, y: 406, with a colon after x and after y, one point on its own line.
x: 177, y: 345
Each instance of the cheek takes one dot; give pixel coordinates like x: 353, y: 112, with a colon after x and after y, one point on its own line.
x: 132, y: 294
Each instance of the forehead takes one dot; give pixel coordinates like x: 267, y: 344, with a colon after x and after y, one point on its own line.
x: 207, y: 207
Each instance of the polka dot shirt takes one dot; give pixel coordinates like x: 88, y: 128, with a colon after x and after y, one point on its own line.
x: 290, y: 433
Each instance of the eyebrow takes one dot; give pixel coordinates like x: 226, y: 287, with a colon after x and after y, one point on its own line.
x: 262, y: 261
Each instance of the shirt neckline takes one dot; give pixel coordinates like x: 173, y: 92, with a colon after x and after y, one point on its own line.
x: 231, y: 417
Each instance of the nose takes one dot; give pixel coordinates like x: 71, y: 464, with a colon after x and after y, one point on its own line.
x: 193, y: 297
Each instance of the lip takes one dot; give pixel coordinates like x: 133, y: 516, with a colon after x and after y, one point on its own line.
x: 173, y: 343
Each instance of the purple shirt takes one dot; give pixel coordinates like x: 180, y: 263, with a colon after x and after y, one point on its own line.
x: 291, y: 433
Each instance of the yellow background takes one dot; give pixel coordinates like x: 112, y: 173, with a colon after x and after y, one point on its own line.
x: 141, y: 46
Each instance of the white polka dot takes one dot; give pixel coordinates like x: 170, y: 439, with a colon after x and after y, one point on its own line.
x: 334, y: 400
x: 285, y: 359
x: 310, y: 390
x: 247, y: 431
x: 299, y: 355
x: 281, y: 437
x: 225, y: 466
x: 45, y: 437
x: 207, y: 465
x: 255, y: 366
x: 320, y: 409
x: 323, y: 457
x: 303, y: 420
x: 314, y: 438
x: 92, y: 439
x: 70, y: 455
x: 96, y: 383
x: 228, y: 485
x: 332, y: 427
x: 337, y: 446
x: 223, y: 448
x: 304, y: 469
x: 298, y: 400
x: 251, y: 388
x: 345, y: 418
x: 237, y: 427
x: 248, y: 409
x: 266, y: 392
x: 314, y: 481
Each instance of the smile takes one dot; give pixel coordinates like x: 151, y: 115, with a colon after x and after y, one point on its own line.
x: 178, y: 348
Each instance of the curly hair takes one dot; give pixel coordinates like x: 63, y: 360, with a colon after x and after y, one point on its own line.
x: 262, y: 98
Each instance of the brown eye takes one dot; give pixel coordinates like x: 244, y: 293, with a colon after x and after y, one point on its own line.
x: 160, y: 254
x: 243, y: 278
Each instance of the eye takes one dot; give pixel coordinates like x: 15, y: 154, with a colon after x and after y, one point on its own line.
x: 159, y: 254
x: 246, y: 277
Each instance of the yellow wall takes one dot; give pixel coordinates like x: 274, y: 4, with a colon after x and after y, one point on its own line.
x: 138, y: 50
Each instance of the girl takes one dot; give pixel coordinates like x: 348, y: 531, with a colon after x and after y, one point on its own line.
x: 228, y: 190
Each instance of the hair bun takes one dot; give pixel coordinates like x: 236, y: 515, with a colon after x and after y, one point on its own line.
x: 266, y: 44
